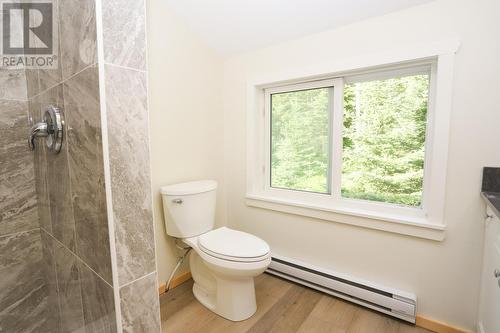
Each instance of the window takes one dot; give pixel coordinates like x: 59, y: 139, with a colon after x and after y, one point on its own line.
x: 366, y: 147
x: 382, y: 129
x: 300, y: 139
x: 383, y: 144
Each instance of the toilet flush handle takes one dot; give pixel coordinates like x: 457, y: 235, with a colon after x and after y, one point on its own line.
x: 177, y: 201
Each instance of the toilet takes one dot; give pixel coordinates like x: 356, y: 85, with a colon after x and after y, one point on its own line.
x: 223, y: 261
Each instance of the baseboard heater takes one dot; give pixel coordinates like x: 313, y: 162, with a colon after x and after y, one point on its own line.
x: 389, y: 301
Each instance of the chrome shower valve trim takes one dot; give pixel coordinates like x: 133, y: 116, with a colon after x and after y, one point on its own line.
x: 51, y: 128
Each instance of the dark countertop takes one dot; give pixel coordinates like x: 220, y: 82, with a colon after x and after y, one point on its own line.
x: 493, y: 201
x: 490, y: 188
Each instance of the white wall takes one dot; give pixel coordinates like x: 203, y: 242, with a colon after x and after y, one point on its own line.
x: 444, y: 275
x: 186, y: 117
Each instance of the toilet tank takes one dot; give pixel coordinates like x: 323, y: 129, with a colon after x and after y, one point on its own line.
x: 189, y: 208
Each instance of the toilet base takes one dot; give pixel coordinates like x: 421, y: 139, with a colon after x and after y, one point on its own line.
x: 230, y: 294
x: 234, y: 301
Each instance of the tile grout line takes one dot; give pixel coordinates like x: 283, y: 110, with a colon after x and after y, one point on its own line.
x: 61, y: 82
x: 72, y: 76
x: 139, y: 278
x: 78, y: 257
x: 125, y: 67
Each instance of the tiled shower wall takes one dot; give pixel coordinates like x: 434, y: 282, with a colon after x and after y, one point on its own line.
x: 24, y: 301
x: 70, y: 185
x: 55, y: 249
x: 125, y: 77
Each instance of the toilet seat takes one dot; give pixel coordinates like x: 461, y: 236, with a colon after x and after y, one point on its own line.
x: 228, y: 244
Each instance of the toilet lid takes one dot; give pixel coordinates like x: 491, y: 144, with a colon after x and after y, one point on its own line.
x: 233, y: 245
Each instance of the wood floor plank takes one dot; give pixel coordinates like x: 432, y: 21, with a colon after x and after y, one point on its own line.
x: 320, y: 326
x: 329, y: 315
x: 268, y: 320
x: 176, y: 299
x: 367, y: 321
x: 297, y: 312
x: 193, y: 318
x: 282, y: 307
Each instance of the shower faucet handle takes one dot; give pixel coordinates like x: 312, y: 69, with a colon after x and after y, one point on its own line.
x: 51, y: 128
x: 39, y: 130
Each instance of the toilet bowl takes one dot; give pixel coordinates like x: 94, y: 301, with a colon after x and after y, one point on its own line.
x: 223, y: 261
x: 223, y: 274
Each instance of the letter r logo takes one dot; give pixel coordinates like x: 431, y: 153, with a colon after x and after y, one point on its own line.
x: 27, y: 28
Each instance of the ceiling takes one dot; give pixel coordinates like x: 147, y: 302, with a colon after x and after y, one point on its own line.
x: 234, y: 26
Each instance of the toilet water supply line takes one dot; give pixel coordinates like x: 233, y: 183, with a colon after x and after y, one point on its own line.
x: 179, y: 263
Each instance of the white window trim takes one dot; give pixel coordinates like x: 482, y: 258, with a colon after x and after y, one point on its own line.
x: 429, y: 223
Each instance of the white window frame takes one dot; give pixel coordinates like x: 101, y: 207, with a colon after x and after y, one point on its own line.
x: 427, y: 221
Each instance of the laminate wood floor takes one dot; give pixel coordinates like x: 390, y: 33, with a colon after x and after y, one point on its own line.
x: 282, y: 306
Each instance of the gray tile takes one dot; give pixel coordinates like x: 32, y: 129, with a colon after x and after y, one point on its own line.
x: 13, y: 83
x: 14, y: 121
x: 23, y: 296
x: 58, y: 180
x: 69, y: 289
x: 78, y: 37
x: 42, y: 190
x: 18, y: 211
x: 130, y: 173
x: 140, y: 305
x: 124, y: 33
x: 32, y: 82
x: 81, y: 99
x: 98, y: 302
x: 49, y: 269
x: 48, y: 78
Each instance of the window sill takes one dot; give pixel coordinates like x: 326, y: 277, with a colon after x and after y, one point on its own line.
x: 416, y: 227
